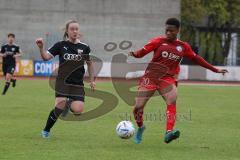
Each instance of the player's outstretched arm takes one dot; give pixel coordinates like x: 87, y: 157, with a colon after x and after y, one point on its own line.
x: 139, y: 53
x: 149, y: 47
x: 200, y: 61
x: 45, y: 56
x: 91, y: 74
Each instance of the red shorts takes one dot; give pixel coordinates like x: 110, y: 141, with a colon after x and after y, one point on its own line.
x: 157, y: 84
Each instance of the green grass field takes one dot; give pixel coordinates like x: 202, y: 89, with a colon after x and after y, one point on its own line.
x: 209, y: 124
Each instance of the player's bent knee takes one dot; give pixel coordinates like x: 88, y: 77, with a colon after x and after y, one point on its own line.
x: 77, y: 110
x: 60, y: 103
x: 8, y: 77
x: 171, y: 100
x: 77, y: 107
x: 139, y: 106
x: 141, y: 102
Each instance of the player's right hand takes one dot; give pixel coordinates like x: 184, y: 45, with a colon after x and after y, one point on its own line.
x: 130, y: 54
x: 39, y: 43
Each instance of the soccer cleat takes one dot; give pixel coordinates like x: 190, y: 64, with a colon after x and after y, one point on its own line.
x: 45, y: 134
x: 3, y: 93
x: 14, y: 82
x: 171, y: 135
x: 138, y: 135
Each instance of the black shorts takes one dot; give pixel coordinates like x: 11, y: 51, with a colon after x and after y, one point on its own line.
x: 71, y: 92
x: 74, y: 98
x: 8, y: 69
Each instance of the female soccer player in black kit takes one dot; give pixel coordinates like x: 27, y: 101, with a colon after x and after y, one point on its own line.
x: 69, y: 50
x: 9, y: 52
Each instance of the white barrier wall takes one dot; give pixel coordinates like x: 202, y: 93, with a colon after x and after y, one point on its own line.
x: 186, y: 73
x: 106, y: 71
x: 126, y: 70
x: 233, y: 75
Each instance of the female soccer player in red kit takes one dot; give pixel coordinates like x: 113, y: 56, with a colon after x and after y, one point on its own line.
x: 161, y: 75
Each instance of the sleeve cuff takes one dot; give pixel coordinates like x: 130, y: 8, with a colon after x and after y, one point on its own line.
x: 50, y: 54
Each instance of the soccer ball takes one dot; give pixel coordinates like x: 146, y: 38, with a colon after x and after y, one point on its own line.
x: 125, y: 129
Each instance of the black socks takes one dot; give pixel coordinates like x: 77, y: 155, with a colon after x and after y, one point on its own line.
x: 13, y: 82
x: 52, y: 118
x: 7, y: 84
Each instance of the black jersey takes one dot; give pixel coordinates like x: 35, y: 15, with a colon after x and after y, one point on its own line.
x: 10, y: 51
x: 77, y: 53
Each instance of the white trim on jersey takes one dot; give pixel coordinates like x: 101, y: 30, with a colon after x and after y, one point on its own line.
x: 78, y: 41
x: 144, y: 48
x: 14, y: 44
x: 82, y: 42
x: 20, y: 51
x: 50, y: 53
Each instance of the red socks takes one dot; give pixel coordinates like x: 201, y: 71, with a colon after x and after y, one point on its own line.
x: 138, y: 116
x: 170, y: 117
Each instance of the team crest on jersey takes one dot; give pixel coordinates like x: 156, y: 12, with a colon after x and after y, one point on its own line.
x: 179, y: 48
x: 80, y: 51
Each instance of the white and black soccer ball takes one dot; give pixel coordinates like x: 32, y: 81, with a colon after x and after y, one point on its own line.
x: 125, y: 129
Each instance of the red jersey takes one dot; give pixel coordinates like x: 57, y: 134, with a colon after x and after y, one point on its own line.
x: 167, y: 55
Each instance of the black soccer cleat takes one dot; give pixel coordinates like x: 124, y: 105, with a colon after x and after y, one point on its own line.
x: 171, y: 135
x: 14, y: 81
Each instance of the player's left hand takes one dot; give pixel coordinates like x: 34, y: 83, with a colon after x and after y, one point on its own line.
x: 92, y: 85
x: 223, y: 71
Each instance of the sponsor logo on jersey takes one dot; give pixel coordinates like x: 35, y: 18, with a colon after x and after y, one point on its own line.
x: 171, y: 56
x: 72, y: 57
x: 80, y: 51
x: 13, y: 49
x: 9, y: 53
